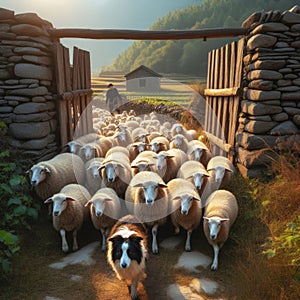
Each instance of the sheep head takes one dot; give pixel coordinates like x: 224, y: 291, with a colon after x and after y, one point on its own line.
x: 38, y: 173
x: 60, y: 203
x: 214, y: 224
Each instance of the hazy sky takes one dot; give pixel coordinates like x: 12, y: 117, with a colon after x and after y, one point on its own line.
x: 98, y: 14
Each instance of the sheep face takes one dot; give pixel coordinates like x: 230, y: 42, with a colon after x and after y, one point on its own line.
x: 60, y: 203
x: 178, y: 140
x: 74, y: 147
x: 94, y: 169
x: 178, y: 128
x: 214, y: 224
x: 186, y: 203
x: 38, y: 174
x: 198, y: 179
x: 219, y: 173
x: 112, y: 170
x: 150, y: 190
x: 143, y: 166
x: 154, y: 147
x: 162, y: 160
x: 121, y: 136
x: 197, y: 153
x: 89, y: 151
x: 99, y: 205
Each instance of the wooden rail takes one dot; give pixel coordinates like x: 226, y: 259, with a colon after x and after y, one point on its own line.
x: 127, y: 34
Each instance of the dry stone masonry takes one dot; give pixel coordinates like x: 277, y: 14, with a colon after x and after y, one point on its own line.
x: 27, y: 83
x: 270, y: 108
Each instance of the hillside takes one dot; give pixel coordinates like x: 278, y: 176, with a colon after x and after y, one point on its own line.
x: 190, y: 56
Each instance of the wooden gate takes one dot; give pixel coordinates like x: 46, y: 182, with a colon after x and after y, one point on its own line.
x: 223, y: 93
x: 74, y: 93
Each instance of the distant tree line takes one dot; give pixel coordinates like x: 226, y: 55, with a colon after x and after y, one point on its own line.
x: 190, y: 56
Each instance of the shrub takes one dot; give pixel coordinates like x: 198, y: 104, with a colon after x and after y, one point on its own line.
x: 17, y: 208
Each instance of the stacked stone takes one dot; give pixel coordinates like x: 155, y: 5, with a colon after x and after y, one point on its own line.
x: 270, y: 109
x: 26, y: 83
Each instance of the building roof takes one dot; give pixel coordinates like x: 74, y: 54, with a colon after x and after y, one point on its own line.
x: 144, y: 68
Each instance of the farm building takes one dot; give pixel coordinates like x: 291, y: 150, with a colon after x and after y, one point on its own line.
x: 143, y: 79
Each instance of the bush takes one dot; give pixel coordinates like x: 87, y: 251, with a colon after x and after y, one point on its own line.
x: 17, y: 208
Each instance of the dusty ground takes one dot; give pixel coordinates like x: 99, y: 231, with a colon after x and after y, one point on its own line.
x: 33, y: 278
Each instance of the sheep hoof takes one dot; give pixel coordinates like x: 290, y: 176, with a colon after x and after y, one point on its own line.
x: 155, y: 251
x: 188, y: 249
x: 214, y: 268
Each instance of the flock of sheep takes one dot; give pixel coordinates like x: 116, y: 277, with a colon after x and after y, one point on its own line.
x: 141, y: 166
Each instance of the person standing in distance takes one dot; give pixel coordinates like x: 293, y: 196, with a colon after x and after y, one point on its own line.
x: 112, y: 97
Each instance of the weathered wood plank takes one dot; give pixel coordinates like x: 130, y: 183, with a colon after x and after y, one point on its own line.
x: 126, y: 34
x: 222, y: 92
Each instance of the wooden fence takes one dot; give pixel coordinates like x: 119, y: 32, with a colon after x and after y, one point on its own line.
x: 223, y: 92
x: 74, y: 93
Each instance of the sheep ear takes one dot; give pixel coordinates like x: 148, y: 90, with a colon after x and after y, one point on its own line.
x: 169, y: 156
x: 108, y: 199
x: 49, y: 200
x: 163, y: 185
x: 47, y: 170
x: 101, y: 167
x: 134, y: 166
x: 155, y: 157
x: 90, y: 202
x: 206, y: 218
x: 224, y: 220
x: 196, y: 198
x: 69, y: 199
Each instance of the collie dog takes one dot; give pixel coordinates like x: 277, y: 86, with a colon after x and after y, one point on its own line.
x: 127, y: 251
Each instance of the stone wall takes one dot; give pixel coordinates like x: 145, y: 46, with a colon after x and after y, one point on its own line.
x: 27, y: 84
x: 270, y: 109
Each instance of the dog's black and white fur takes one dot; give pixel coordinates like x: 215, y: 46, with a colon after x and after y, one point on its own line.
x: 127, y: 251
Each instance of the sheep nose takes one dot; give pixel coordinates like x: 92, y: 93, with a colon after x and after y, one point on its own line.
x: 212, y: 236
x: 33, y: 182
x: 110, y: 179
x: 55, y: 213
x: 148, y: 202
x: 124, y: 265
x: 184, y: 212
x: 98, y: 213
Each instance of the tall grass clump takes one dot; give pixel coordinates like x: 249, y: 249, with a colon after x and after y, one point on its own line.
x: 268, y: 232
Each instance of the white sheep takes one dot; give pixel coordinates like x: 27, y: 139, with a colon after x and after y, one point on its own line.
x: 147, y: 198
x: 117, y: 149
x: 179, y: 141
x: 186, y: 208
x: 140, y: 135
x: 159, y: 143
x: 169, y: 162
x: 93, y: 179
x: 105, y: 209
x: 116, y: 173
x: 50, y: 176
x: 197, y: 150
x: 220, y: 213
x: 69, y: 212
x: 195, y: 172
x: 143, y: 162
x: 178, y: 128
x: 122, y: 137
x: 136, y: 148
x: 221, y: 170
x: 90, y: 150
x: 132, y: 124
x: 76, y: 144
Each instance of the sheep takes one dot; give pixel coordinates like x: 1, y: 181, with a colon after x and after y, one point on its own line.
x: 220, y: 169
x: 160, y: 143
x: 105, y: 144
x: 220, y: 213
x: 169, y: 162
x: 117, y: 149
x: 198, y: 151
x: 76, y: 144
x: 147, y: 198
x: 123, y: 137
x: 140, y: 135
x: 128, y: 252
x: 179, y: 141
x: 116, y: 172
x: 143, y: 162
x: 195, y: 172
x: 105, y: 209
x: 90, y: 150
x: 50, y: 176
x: 136, y: 148
x: 132, y: 124
x: 69, y: 211
x: 153, y: 134
x: 186, y: 208
x: 178, y: 128
x: 93, y: 179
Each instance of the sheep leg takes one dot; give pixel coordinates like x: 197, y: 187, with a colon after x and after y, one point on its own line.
x: 103, y: 232
x: 188, y: 240
x: 133, y: 290
x: 214, y: 265
x: 154, y: 240
x: 75, y: 244
x: 65, y: 247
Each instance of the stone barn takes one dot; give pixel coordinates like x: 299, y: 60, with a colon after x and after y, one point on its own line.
x: 142, y: 79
